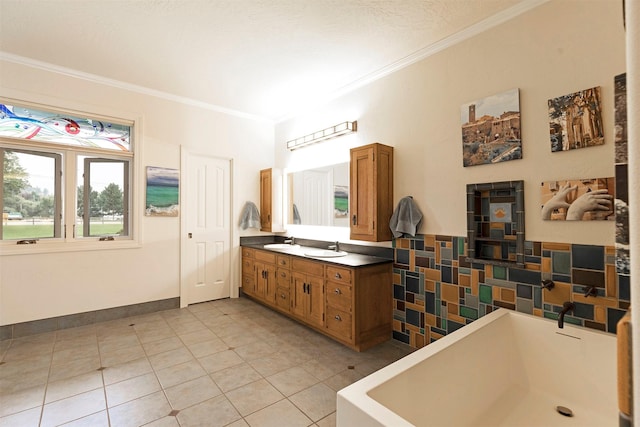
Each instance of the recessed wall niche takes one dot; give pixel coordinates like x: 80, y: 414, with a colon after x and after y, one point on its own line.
x: 495, y: 223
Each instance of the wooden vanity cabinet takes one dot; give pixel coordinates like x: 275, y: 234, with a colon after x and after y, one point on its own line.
x: 359, y: 304
x: 307, y: 291
x: 352, y: 305
x: 371, y: 192
x: 271, y: 218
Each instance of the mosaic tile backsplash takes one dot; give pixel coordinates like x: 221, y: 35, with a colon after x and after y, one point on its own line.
x: 436, y: 291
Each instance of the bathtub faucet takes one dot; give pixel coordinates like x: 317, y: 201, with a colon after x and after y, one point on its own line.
x: 566, y: 307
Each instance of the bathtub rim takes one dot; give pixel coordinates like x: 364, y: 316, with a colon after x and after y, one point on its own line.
x: 357, y: 395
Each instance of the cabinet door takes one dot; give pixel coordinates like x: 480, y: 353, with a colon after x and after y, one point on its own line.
x: 315, y: 300
x: 362, y: 191
x: 261, y: 280
x: 298, y: 295
x: 271, y: 283
x: 265, y: 199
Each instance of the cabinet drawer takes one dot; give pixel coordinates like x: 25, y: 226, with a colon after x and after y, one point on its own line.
x: 337, y: 274
x: 308, y: 267
x: 248, y: 252
x: 283, y: 277
x: 339, y: 322
x: 339, y: 296
x: 283, y: 261
x: 265, y: 256
x: 248, y: 266
x: 282, y: 298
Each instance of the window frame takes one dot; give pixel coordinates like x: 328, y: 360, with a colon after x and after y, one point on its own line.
x: 71, y: 239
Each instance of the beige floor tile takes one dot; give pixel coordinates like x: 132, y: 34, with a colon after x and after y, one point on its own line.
x: 206, y: 348
x: 240, y: 423
x: 22, y: 350
x: 292, y: 380
x: 21, y: 400
x: 192, y: 392
x: 74, y: 368
x: 272, y: 364
x: 215, y: 412
x: 195, y: 337
x: 151, y: 335
x: 254, y: 396
x: 181, y: 373
x: 73, y: 408
x: 236, y: 376
x: 168, y: 421
x: 343, y: 379
x: 323, y: 370
x: 75, y: 353
x: 22, y: 380
x: 140, y: 411
x: 277, y: 415
x: 255, y: 350
x: 170, y: 358
x: 68, y: 387
x: 162, y: 345
x: 118, y: 341
x: 237, y: 339
x: 122, y: 355
x: 131, y: 389
x: 124, y: 371
x: 99, y: 419
x: 28, y: 364
x: 28, y: 418
x: 328, y: 421
x: 182, y: 328
x: 219, y: 361
x: 316, y: 402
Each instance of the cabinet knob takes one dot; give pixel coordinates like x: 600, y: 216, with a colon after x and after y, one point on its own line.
x: 282, y: 262
x: 282, y: 296
x: 338, y: 318
x: 338, y: 291
x: 338, y: 276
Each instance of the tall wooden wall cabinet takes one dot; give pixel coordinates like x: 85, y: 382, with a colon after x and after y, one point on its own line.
x: 271, y: 218
x: 371, y: 192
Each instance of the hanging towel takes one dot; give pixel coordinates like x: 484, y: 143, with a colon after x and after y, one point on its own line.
x: 405, y: 218
x: 296, y: 215
x: 250, y: 216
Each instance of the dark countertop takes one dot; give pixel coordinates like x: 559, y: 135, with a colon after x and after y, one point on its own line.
x: 350, y: 260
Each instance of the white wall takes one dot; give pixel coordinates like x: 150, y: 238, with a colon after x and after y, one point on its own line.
x: 555, y: 49
x: 47, y: 285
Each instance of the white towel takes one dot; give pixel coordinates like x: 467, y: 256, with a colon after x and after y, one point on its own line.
x: 250, y: 216
x: 405, y: 218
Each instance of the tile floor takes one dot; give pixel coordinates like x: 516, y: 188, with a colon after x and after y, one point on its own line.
x: 229, y: 362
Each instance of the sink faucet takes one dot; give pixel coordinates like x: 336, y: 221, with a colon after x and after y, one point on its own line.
x: 566, y: 307
x: 335, y: 246
x: 291, y: 240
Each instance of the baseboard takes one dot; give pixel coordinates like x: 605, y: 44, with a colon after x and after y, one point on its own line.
x: 19, y: 330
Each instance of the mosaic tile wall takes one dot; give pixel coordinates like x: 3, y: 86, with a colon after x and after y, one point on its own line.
x: 436, y: 291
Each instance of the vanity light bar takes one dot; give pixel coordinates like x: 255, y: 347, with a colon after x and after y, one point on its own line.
x: 322, y: 135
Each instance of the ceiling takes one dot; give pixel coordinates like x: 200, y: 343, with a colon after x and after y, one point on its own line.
x: 265, y: 59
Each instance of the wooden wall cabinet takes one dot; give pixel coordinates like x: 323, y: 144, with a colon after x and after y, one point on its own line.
x: 371, y: 192
x: 271, y: 214
x: 351, y: 305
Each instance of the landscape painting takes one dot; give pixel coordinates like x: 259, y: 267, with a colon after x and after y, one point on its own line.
x: 575, y: 120
x: 340, y: 201
x: 163, y: 195
x: 491, y: 129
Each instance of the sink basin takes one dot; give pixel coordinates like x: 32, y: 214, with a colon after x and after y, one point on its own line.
x: 281, y: 246
x: 324, y: 253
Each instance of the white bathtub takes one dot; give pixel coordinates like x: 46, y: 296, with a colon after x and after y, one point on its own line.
x: 504, y: 369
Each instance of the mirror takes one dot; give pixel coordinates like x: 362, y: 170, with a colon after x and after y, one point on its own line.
x: 319, y: 196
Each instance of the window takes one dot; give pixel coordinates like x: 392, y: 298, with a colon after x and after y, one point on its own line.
x: 66, y: 179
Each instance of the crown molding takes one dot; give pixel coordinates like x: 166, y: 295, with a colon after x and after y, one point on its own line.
x: 432, y: 49
x: 93, y: 78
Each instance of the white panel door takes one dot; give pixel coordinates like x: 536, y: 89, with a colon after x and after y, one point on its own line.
x: 316, y: 208
x: 206, y: 257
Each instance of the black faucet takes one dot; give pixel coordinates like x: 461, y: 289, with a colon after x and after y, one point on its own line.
x: 566, y: 307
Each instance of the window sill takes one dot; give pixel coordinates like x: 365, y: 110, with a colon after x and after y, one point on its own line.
x: 43, y: 247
